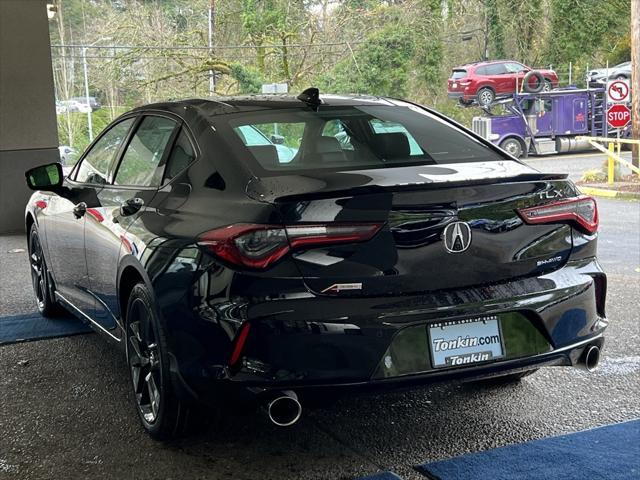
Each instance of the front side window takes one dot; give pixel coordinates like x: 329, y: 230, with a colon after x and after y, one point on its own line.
x: 97, y: 162
x: 513, y: 67
x: 349, y: 138
x: 140, y: 165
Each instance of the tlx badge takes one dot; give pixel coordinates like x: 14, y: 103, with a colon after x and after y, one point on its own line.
x: 456, y: 237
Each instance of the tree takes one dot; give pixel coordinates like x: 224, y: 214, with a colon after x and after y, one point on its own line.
x: 379, y: 67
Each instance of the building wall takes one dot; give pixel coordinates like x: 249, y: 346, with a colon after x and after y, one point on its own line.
x: 28, y: 132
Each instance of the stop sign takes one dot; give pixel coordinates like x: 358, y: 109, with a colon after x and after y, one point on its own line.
x: 618, y: 116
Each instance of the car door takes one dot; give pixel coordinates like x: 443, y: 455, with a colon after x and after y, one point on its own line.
x: 68, y: 215
x: 500, y: 77
x: 515, y: 73
x: 134, y: 183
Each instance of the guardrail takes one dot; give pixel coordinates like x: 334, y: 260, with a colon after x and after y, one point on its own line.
x: 612, y: 155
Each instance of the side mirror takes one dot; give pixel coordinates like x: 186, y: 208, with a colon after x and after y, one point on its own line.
x: 45, y: 177
x: 277, y: 139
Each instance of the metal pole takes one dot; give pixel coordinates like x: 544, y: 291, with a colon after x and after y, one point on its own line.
x: 212, y: 78
x: 586, y: 74
x: 570, y: 68
x: 86, y: 93
x: 635, y: 81
x: 610, y: 165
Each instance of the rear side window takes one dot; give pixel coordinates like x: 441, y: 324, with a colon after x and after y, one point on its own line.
x: 349, y: 138
x: 140, y: 165
x: 495, y: 69
x: 181, y: 156
x: 97, y: 162
x: 458, y: 74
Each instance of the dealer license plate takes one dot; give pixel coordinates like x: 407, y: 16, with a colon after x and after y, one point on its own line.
x: 463, y: 342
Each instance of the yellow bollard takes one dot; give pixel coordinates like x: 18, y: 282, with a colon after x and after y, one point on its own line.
x: 610, y: 164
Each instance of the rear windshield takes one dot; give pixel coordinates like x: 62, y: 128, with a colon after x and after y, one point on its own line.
x: 457, y: 74
x: 340, y: 138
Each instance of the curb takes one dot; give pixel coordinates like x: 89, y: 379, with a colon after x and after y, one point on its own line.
x: 603, y: 192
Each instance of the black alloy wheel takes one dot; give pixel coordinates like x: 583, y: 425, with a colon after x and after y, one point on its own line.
x: 163, y: 415
x: 40, y: 280
x: 144, y: 361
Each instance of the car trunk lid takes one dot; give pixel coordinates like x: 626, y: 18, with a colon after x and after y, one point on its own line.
x: 442, y: 227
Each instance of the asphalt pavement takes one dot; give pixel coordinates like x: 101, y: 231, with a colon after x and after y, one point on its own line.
x: 67, y: 410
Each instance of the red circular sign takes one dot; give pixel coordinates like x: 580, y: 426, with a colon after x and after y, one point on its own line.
x: 618, y: 91
x: 618, y: 116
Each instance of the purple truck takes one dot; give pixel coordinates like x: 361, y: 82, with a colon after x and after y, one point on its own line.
x: 546, y: 123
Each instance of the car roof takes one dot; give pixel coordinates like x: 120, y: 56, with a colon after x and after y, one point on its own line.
x: 247, y: 103
x: 485, y: 62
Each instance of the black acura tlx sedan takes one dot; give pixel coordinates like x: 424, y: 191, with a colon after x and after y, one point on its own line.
x: 269, y: 249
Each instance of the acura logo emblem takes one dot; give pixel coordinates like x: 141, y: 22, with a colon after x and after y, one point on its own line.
x: 456, y: 237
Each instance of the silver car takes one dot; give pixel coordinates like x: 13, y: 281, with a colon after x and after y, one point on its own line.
x: 598, y: 77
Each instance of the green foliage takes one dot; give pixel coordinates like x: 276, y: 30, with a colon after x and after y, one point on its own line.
x: 249, y: 79
x: 379, y: 67
x: 391, y: 47
x: 581, y: 28
x: 496, y: 30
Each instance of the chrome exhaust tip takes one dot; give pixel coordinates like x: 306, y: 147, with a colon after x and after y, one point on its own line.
x: 284, y: 409
x: 591, y: 359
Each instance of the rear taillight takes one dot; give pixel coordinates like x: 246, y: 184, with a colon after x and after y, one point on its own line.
x: 259, y: 246
x: 582, y: 211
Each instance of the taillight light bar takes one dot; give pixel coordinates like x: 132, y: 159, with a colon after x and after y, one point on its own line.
x: 259, y: 246
x: 583, y: 211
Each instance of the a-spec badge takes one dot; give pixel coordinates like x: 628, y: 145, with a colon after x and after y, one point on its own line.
x: 456, y: 237
x: 338, y: 287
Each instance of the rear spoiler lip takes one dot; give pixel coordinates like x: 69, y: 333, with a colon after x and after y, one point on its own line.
x: 274, y: 198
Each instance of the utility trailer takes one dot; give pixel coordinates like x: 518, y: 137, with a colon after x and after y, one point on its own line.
x: 546, y: 123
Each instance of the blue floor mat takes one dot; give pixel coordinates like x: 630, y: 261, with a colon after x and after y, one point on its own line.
x: 611, y: 453
x: 32, y: 326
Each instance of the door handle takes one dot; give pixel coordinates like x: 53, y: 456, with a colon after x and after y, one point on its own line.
x: 79, y: 210
x: 131, y: 206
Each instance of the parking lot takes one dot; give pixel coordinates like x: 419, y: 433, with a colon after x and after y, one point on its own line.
x: 67, y: 410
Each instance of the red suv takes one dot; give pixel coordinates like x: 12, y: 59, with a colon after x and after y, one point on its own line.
x: 484, y: 81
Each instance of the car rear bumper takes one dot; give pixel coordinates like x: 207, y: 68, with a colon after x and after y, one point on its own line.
x: 316, y: 393
x: 313, y: 342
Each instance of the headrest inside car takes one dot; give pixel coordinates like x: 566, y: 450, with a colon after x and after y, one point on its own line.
x: 391, y: 146
x: 266, y: 155
x: 328, y: 145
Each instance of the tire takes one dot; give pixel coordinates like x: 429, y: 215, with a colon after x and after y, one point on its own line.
x: 512, y: 146
x: 485, y: 96
x: 548, y: 86
x: 621, y: 77
x: 40, y: 277
x: 163, y: 415
x: 539, y: 85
